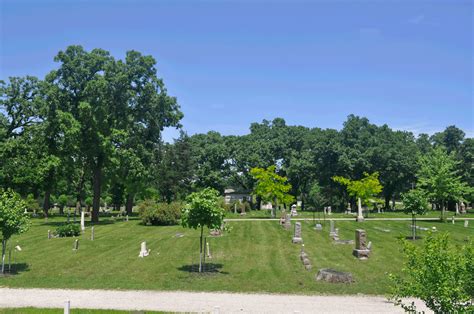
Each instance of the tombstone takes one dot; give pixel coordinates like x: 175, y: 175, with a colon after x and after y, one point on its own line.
x: 361, y: 251
x: 325, y: 210
x: 126, y: 218
x: 360, y: 217
x: 83, y: 227
x: 208, y: 250
x: 143, y: 251
x: 76, y: 245
x: 452, y: 220
x: 331, y: 227
x: 457, y: 208
x: 334, y: 276
x: 329, y: 210
x: 463, y: 208
x: 287, y: 221
x: 235, y: 208
x: 293, y: 210
x: 92, y: 233
x: 297, y: 235
x: 318, y: 227
x: 26, y: 211
x: 273, y: 211
x: 466, y: 223
x: 349, y: 209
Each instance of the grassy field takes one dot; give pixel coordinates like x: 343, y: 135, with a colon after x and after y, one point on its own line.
x: 373, y: 214
x: 255, y: 256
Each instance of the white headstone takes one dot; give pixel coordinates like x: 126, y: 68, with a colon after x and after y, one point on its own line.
x: 143, y: 251
x: 452, y: 220
x: 83, y: 227
x: 457, y: 208
x: 360, y: 217
x: 466, y: 223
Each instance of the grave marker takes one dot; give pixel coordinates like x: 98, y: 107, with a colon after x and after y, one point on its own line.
x: 361, y: 251
x: 297, y: 235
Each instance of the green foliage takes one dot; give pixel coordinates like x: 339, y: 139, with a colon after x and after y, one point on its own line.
x: 365, y: 188
x: 152, y: 213
x: 13, y: 219
x: 68, y: 230
x: 32, y: 203
x: 316, y: 197
x: 203, y: 210
x: 271, y: 187
x: 437, y: 273
x: 63, y: 200
x: 438, y: 177
x: 415, y: 202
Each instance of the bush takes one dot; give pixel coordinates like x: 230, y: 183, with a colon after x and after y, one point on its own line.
x: 68, y: 230
x: 156, y: 214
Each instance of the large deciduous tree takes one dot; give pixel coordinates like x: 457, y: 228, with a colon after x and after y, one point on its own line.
x: 271, y: 187
x: 120, y: 105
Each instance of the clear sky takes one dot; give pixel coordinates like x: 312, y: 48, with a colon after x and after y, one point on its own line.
x: 407, y: 63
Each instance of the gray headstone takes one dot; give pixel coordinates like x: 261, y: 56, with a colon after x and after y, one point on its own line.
x: 331, y: 226
x: 361, y: 251
x: 49, y: 234
x: 287, y: 221
x: 92, y: 233
x: 76, y: 245
x: 318, y: 227
x: 297, y: 236
x: 334, y: 276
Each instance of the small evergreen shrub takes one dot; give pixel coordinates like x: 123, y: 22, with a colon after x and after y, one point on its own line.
x: 68, y: 230
x: 160, y: 214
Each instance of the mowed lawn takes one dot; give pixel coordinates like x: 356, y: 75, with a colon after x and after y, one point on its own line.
x: 255, y: 256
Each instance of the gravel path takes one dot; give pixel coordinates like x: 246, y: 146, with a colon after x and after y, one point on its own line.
x: 179, y: 301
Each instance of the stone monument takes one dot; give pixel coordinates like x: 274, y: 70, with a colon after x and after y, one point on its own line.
x: 143, y: 251
x: 463, y: 208
x: 287, y: 221
x: 360, y: 217
x: 297, y: 235
x: 361, y: 250
x: 466, y: 223
x: 83, y: 227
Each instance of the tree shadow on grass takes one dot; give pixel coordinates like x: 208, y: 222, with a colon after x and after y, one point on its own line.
x: 207, y: 268
x: 15, y: 269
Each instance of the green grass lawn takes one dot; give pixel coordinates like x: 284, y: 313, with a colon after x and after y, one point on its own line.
x: 372, y: 214
x: 256, y: 256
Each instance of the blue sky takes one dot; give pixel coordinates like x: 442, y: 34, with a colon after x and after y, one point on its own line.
x: 405, y: 63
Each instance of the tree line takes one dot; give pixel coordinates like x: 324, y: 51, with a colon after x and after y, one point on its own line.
x: 89, y: 133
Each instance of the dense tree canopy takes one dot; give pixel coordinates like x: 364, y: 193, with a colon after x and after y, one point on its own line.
x: 91, y: 129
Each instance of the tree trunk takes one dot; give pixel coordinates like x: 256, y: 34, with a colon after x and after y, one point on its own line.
x: 442, y: 211
x: 97, y: 178
x: 387, y: 202
x: 129, y: 205
x: 302, y: 202
x: 413, y: 223
x: 4, y: 247
x: 61, y: 210
x: 259, y: 202
x: 47, y: 201
x: 393, y: 202
x: 200, y: 250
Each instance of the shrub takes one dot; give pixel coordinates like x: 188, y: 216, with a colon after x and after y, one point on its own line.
x: 68, y: 230
x: 153, y: 213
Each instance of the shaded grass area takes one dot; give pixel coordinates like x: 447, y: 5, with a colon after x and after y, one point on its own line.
x: 31, y: 310
x: 254, y: 257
